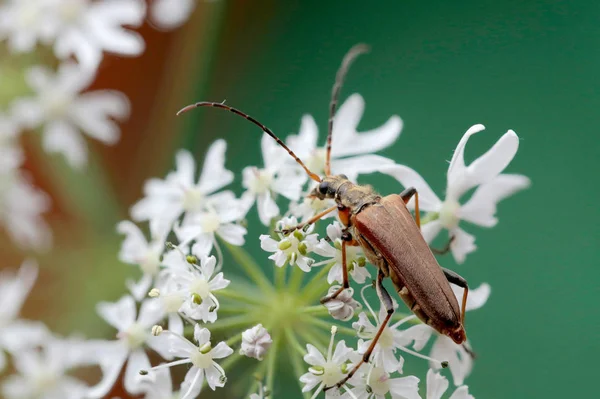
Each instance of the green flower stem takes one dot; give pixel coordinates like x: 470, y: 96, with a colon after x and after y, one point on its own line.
x: 299, y: 371
x: 429, y: 217
x: 293, y: 341
x: 272, y: 360
x: 280, y: 273
x: 296, y: 279
x: 250, y: 266
x: 240, y: 295
x: 315, y: 310
x: 233, y: 322
x: 328, y: 325
x: 258, y: 377
x: 234, y: 340
x: 227, y: 309
x: 317, y: 286
x: 314, y: 336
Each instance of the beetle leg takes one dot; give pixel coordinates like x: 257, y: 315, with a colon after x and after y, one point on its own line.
x: 346, y: 238
x: 386, y: 301
x: 406, y: 196
x: 309, y: 221
x: 456, y: 279
x: 443, y: 250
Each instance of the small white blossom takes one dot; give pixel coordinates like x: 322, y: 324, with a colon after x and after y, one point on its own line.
x: 166, y: 200
x: 480, y: 209
x: 349, y: 146
x: 437, y: 385
x: 17, y: 335
x: 256, y: 341
x: 43, y: 374
x: 66, y: 113
x: 133, y: 333
x: 218, y: 219
x: 170, y: 14
x: 377, y: 383
x: 343, y: 306
x: 201, y: 357
x: 391, y: 338
x: 309, y: 207
x: 195, y: 284
x: 277, y: 177
x: 11, y: 154
x: 326, y: 371
x: 160, y: 386
x: 292, y: 248
x: 355, y: 258
x: 88, y: 28
x: 25, y: 23
x: 21, y: 207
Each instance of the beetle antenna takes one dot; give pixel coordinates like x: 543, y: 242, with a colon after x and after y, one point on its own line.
x: 340, y: 76
x: 265, y: 129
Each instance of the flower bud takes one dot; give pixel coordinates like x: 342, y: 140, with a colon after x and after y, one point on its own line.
x: 154, y: 293
x: 343, y: 307
x: 256, y: 341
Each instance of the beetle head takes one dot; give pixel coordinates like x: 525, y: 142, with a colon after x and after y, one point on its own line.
x: 328, y: 186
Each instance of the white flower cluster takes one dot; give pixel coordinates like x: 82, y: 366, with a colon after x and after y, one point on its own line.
x: 54, y: 101
x: 186, y: 311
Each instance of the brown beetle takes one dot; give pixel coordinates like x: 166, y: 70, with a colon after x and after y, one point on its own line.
x: 388, y: 234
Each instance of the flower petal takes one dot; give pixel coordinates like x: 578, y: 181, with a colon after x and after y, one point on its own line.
x: 314, y: 357
x: 408, y: 177
x: 232, y: 233
x: 477, y: 297
x: 267, y: 208
x: 360, y: 165
x: 431, y: 230
x: 349, y: 142
x: 481, y: 207
x: 457, y: 164
x: 462, y: 244
x: 460, y: 362
x: 120, y: 314
x: 405, y: 387
x: 221, y: 350
x: 436, y: 385
x: 214, y: 175
x: 461, y: 392
x: 138, y: 360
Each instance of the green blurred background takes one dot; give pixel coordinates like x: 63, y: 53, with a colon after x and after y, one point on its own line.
x: 530, y: 66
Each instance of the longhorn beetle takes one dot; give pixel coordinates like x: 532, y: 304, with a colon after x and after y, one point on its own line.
x: 388, y: 234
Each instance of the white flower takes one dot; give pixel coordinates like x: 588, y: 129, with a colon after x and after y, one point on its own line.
x: 355, y: 259
x: 326, y: 371
x: 43, y: 374
x: 24, y: 23
x: 459, y: 360
x: 170, y: 14
x: 256, y: 341
x: 391, y: 338
x: 65, y: 112
x: 87, y: 28
x: 197, y: 284
x: 309, y: 207
x: 219, y: 218
x: 166, y: 200
x: 133, y: 333
x: 348, y: 146
x: 343, y: 306
x: 21, y: 206
x: 160, y: 386
x: 277, y: 177
x: 292, y: 248
x: 437, y: 385
x: 201, y: 357
x: 17, y: 335
x: 136, y: 250
x: 376, y: 383
x: 480, y: 209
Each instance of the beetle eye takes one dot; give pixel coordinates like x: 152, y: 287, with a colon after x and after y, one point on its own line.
x: 323, y: 187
